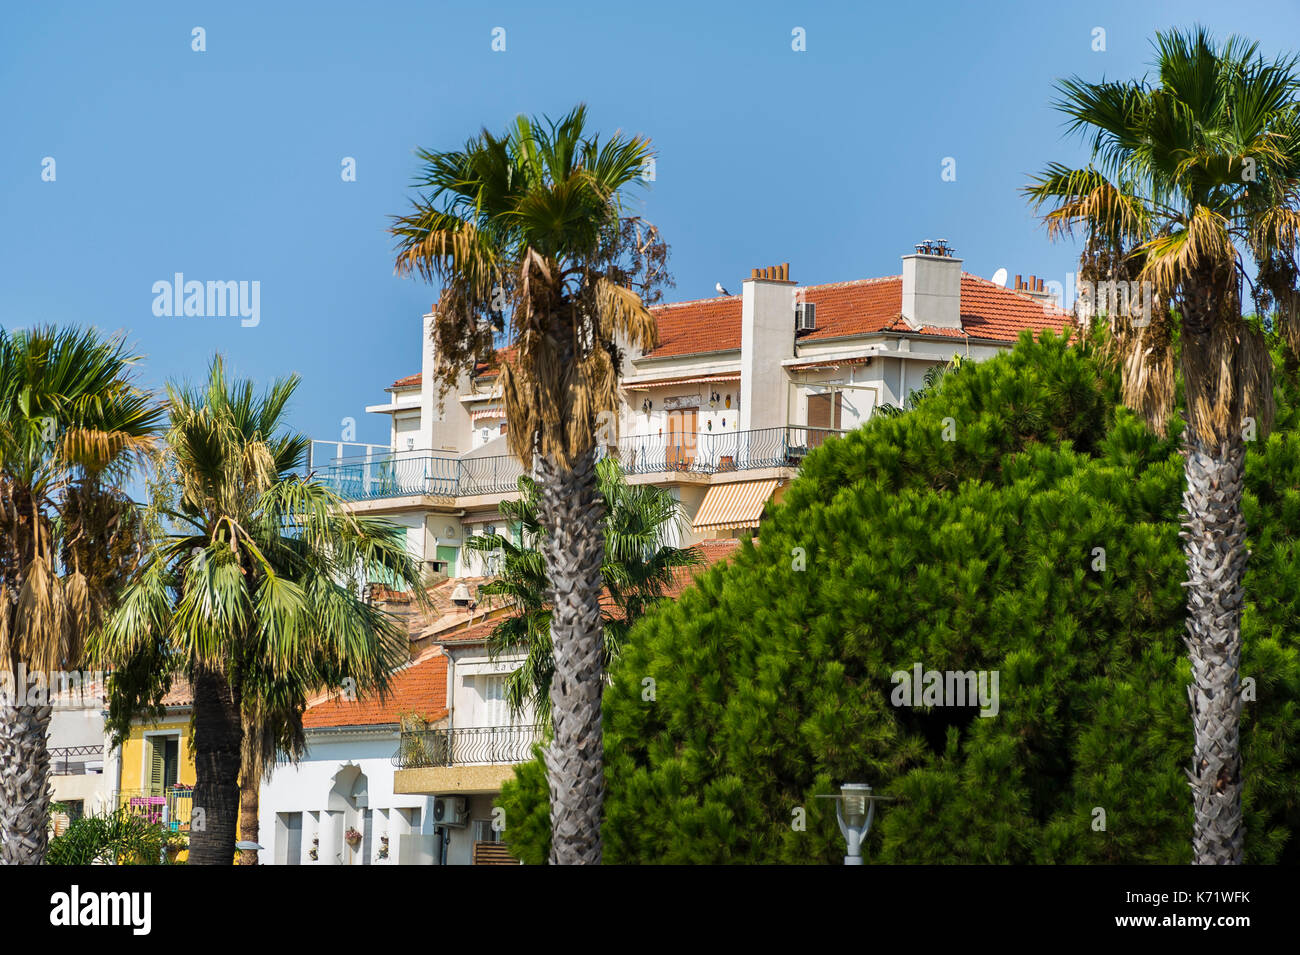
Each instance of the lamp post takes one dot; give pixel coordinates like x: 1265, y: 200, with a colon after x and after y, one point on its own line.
x: 855, y: 808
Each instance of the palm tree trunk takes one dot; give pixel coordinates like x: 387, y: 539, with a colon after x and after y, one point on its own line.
x: 570, y: 509
x: 24, y: 783
x: 1215, y: 543
x: 251, y: 771
x: 217, y: 737
x: 248, y: 809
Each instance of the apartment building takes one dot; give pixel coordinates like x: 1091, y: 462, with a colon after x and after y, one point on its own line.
x: 337, y: 805
x: 721, y: 411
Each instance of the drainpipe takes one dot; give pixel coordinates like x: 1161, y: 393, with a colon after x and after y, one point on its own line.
x: 451, y: 691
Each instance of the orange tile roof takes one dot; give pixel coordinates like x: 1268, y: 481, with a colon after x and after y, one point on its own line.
x: 688, y: 328
x: 410, y: 381
x: 474, y: 633
x: 419, y: 687
x: 859, y: 307
x: 180, y: 694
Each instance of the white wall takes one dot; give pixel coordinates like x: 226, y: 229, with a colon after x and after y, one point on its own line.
x: 306, y: 788
x: 444, y: 423
x: 406, y: 428
x: 767, y: 338
x: 460, y: 845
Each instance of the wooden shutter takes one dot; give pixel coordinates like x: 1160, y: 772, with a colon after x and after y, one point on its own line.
x: 156, y: 761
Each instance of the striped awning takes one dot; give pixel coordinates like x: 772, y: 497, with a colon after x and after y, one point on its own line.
x: 647, y: 384
x: 493, y: 411
x: 733, y: 505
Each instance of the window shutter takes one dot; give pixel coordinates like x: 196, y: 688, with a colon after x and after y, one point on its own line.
x: 155, y: 767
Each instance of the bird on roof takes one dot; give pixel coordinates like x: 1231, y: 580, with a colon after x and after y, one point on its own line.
x: 721, y: 290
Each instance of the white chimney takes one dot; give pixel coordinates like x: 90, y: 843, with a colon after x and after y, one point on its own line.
x: 932, y: 287
x: 766, y: 338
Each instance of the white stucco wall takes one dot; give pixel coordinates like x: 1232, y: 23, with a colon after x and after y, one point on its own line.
x: 306, y: 788
x: 767, y: 338
x: 406, y: 430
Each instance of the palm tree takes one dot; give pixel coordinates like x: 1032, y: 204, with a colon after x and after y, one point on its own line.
x: 640, y: 562
x: 71, y: 424
x: 1192, y: 187
x: 527, y: 234
x: 930, y: 384
x: 252, y: 590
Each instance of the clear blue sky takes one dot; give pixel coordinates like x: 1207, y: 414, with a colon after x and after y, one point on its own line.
x: 225, y: 164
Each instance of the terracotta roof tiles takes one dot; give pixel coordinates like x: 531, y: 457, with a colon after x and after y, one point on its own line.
x: 419, y: 687
x: 859, y: 307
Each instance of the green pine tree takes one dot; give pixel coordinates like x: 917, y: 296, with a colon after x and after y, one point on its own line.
x: 1018, y: 521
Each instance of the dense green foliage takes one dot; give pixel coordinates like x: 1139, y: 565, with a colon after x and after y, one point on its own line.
x: 115, y: 838
x: 773, y: 684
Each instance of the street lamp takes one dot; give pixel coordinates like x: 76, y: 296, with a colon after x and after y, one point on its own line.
x: 855, y: 807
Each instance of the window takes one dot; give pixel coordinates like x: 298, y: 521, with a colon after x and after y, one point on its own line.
x: 492, y: 700
x: 483, y: 832
x: 824, y: 414
x: 292, y: 838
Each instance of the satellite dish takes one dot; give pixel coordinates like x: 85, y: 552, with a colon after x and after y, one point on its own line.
x: 1000, y: 277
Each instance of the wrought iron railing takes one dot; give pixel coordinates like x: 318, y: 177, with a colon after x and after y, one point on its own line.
x: 476, y: 745
x: 407, y: 473
x: 76, y: 760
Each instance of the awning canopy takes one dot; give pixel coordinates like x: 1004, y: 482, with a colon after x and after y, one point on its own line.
x: 733, y: 505
x: 647, y: 384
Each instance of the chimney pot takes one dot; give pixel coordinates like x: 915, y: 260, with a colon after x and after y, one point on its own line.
x: 1017, y: 282
x: 1040, y: 285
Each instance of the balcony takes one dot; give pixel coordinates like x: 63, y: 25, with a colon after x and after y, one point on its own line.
x: 76, y: 760
x: 413, y: 473
x: 475, y: 746
x: 461, y: 761
x: 719, y: 452
x: 173, y: 808
x: 390, y: 474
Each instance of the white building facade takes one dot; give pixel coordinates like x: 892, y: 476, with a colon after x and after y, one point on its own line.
x: 737, y: 391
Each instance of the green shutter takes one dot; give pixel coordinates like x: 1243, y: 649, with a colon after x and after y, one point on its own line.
x: 155, y: 767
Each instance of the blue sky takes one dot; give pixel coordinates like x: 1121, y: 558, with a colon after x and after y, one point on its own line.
x: 225, y: 164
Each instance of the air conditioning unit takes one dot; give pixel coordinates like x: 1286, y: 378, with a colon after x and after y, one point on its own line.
x: 449, y: 811
x: 805, y: 317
